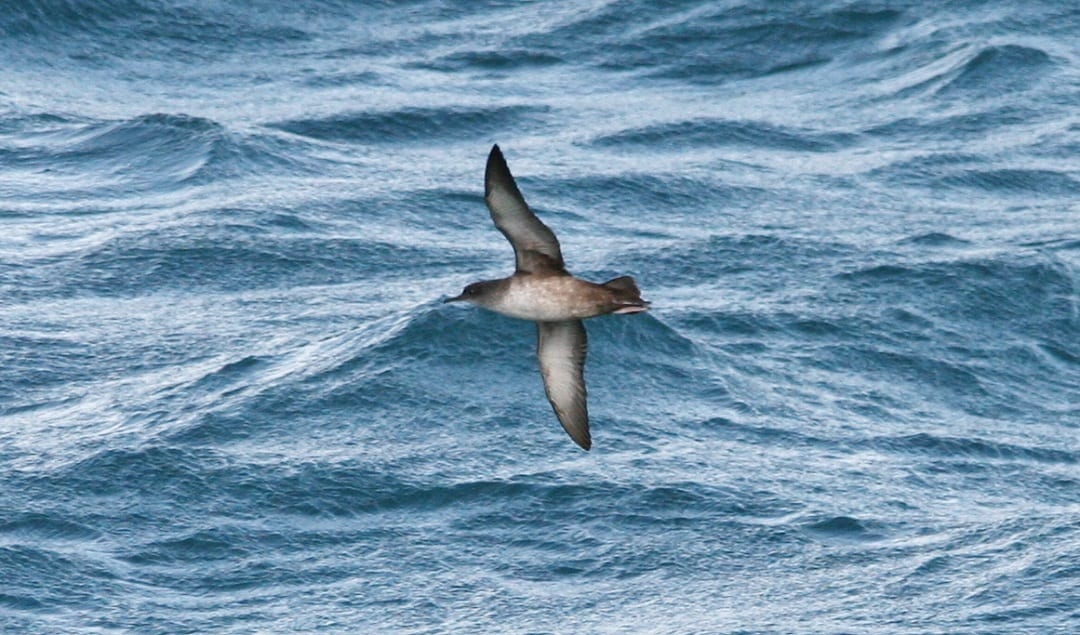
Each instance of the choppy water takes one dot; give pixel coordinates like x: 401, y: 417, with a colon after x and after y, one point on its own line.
x: 232, y: 402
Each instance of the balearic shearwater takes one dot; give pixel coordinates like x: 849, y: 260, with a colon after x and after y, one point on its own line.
x: 542, y: 290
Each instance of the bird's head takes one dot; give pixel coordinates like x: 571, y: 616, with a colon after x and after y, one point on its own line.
x: 476, y: 292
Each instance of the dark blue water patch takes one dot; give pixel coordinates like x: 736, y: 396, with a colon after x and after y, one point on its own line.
x: 721, y: 133
x: 486, y: 494
x: 954, y: 127
x: 492, y: 60
x: 143, y: 132
x: 382, y: 374
x: 949, y: 70
x: 292, y: 221
x: 371, y: 372
x: 910, y: 320
x: 26, y: 122
x: 978, y: 546
x: 466, y: 336
x: 965, y: 447
x: 617, y: 343
x: 767, y: 258
x: 16, y: 602
x: 541, y: 499
x: 1017, y: 292
x: 414, y: 124
x: 705, y: 44
x: 201, y: 483
x: 234, y: 562
x: 967, y: 174
x: 230, y: 377
x: 36, y: 575
x: 154, y: 473
x: 973, y: 334
x: 1061, y: 352
x: 524, y: 516
x: 35, y: 361
x: 315, y: 489
x: 1054, y: 244
x: 213, y: 428
x: 324, y: 79
x: 757, y: 331
x: 38, y: 526
x: 145, y: 153
x: 932, y: 163
x: 935, y: 239
x: 457, y: 328
x: 235, y: 155
x: 1012, y: 181
x: 996, y: 70
x: 726, y: 324
x: 227, y: 260
x: 50, y: 378
x: 226, y: 578
x: 100, y: 33
x: 973, y: 376
x: 47, y: 18
x: 200, y: 547
x: 568, y: 524
x: 842, y: 528
x: 636, y: 335
x: 764, y: 436
x: 370, y: 389
x: 654, y: 199
x: 907, y: 366
x: 449, y: 209
x: 150, y: 153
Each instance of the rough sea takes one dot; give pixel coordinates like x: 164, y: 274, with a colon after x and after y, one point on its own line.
x: 232, y: 400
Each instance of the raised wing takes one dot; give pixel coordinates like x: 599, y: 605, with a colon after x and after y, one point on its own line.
x: 561, y: 347
x: 535, y: 246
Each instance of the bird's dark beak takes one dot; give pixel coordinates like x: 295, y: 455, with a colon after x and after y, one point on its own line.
x: 457, y: 298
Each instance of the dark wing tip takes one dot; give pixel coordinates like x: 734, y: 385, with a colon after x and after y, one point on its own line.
x: 580, y: 435
x: 496, y: 159
x: 576, y: 425
x: 497, y: 172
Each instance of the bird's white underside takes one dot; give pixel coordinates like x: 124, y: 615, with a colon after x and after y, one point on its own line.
x: 545, y: 299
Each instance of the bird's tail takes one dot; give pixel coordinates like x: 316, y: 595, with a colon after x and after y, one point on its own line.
x: 625, y: 295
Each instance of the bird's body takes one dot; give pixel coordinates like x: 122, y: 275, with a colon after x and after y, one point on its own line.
x: 551, y: 298
x: 543, y: 291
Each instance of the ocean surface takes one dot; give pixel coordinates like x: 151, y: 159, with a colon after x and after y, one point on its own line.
x: 232, y: 400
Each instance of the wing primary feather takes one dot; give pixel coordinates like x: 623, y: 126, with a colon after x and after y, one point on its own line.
x: 561, y: 348
x: 512, y: 217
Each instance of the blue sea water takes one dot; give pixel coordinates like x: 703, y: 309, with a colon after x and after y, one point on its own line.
x: 231, y: 400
